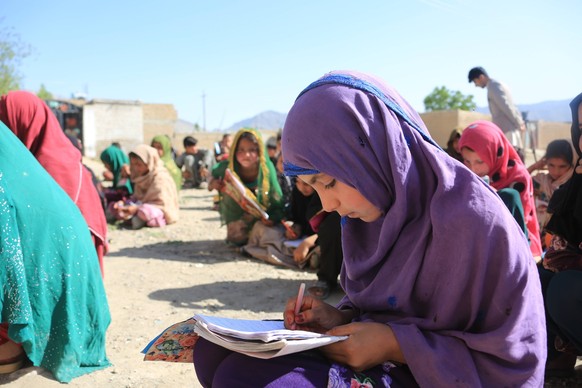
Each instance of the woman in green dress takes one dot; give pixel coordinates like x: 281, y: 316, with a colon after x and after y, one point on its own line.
x: 53, y: 306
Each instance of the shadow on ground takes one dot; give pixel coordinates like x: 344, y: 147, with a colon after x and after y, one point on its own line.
x: 230, y: 295
x: 204, y: 251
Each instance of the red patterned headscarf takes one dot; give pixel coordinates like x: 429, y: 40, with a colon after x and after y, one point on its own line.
x: 31, y: 120
x: 506, y: 170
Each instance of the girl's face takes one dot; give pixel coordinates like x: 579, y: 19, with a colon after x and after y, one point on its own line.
x: 557, y: 167
x: 159, y: 147
x: 137, y: 166
x: 247, y: 153
x: 339, y: 197
x: 304, y: 188
x: 474, y: 162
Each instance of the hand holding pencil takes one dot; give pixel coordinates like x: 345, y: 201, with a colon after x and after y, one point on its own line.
x: 304, y: 312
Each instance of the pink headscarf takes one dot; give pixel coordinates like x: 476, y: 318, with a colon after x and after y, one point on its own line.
x: 38, y: 129
x: 506, y: 170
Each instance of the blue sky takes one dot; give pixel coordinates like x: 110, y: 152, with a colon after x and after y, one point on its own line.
x: 251, y: 56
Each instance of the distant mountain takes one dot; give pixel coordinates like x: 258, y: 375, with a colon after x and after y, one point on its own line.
x: 183, y: 126
x: 269, y: 120
x: 557, y: 111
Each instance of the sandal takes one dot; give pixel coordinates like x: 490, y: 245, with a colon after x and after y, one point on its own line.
x: 320, y: 290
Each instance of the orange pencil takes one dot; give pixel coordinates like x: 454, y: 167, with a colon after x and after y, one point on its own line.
x: 290, y: 230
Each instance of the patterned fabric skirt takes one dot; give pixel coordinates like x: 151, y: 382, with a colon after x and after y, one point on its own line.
x: 219, y: 367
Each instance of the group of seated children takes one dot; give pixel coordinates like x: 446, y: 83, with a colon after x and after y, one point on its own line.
x: 291, y: 212
x: 548, y: 205
x: 483, y: 148
x: 139, y: 193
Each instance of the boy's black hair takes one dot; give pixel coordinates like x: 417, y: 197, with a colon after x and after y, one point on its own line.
x: 189, y: 141
x: 476, y: 73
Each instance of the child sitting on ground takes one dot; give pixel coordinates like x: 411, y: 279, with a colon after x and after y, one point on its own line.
x: 163, y: 144
x: 116, y: 164
x: 155, y: 199
x: 250, y: 164
x: 559, y: 164
x: 487, y: 151
x: 195, y: 164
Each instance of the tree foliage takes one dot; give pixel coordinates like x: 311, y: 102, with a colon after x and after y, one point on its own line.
x: 44, y: 94
x: 12, y: 52
x: 442, y: 98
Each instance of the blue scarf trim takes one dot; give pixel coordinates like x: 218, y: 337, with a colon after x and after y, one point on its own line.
x: 292, y: 170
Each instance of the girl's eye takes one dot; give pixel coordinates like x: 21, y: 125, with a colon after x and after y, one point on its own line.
x: 330, y: 184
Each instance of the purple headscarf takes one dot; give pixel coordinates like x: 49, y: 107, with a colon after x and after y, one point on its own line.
x: 446, y: 266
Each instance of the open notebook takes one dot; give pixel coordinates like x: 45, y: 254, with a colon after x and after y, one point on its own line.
x: 256, y: 338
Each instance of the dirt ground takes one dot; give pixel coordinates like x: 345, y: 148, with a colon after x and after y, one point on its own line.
x: 156, y: 277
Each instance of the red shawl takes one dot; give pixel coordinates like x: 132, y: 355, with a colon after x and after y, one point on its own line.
x: 37, y: 127
x: 506, y: 170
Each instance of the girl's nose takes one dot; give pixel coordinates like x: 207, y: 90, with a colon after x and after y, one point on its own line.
x: 329, y: 203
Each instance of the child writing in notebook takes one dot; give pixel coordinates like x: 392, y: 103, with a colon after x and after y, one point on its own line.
x: 424, y: 242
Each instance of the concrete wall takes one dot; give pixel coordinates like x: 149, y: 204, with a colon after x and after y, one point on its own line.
x: 106, y: 121
x: 441, y: 123
x: 158, y: 119
x: 548, y: 131
x: 131, y: 123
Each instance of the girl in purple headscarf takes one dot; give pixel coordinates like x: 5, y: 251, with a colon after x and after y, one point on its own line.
x: 440, y: 286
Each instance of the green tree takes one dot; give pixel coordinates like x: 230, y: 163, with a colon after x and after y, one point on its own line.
x: 442, y: 98
x: 12, y: 52
x: 44, y: 94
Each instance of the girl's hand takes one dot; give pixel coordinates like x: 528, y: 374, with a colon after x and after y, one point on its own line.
x: 539, y: 165
x: 369, y: 344
x: 300, y: 253
x: 125, y: 171
x: 107, y: 175
x: 215, y: 184
x: 315, y: 315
